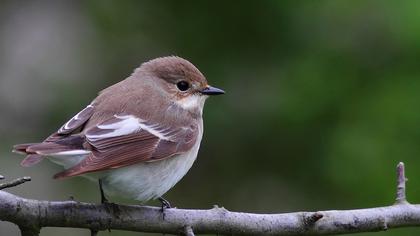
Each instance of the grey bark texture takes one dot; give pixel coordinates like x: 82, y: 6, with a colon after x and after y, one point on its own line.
x: 31, y: 215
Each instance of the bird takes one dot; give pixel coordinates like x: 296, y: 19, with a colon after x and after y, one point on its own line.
x: 138, y: 137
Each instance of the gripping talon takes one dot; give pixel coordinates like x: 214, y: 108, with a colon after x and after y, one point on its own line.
x: 165, y: 205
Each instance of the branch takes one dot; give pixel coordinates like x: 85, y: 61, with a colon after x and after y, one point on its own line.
x: 401, y: 184
x: 31, y: 215
x: 15, y: 182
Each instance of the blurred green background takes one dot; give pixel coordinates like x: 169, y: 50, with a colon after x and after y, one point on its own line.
x: 321, y: 104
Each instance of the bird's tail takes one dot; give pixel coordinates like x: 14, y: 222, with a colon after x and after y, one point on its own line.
x: 32, y: 157
x: 36, y: 152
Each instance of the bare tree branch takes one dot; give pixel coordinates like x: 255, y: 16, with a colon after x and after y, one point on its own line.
x: 15, y: 182
x: 31, y: 215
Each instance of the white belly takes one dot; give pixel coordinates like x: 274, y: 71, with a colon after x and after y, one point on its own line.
x: 143, y: 181
x: 147, y: 181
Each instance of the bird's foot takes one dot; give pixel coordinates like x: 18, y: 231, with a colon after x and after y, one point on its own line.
x: 109, y: 206
x: 165, y: 205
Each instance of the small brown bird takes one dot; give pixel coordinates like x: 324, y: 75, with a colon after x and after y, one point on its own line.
x: 139, y: 137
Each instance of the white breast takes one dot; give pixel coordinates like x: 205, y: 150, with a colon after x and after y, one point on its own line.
x: 151, y: 180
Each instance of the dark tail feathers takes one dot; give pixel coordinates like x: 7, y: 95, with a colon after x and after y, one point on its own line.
x: 32, y: 158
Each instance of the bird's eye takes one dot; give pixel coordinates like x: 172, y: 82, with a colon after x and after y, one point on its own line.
x: 183, y: 85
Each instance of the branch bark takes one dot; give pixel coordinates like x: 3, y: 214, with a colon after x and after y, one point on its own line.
x: 31, y: 215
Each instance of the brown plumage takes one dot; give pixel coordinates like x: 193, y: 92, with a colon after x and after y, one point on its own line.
x: 153, y: 115
x: 131, y: 96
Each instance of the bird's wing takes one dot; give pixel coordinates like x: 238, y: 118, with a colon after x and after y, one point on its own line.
x: 126, y: 139
x: 76, y: 123
x: 58, y: 142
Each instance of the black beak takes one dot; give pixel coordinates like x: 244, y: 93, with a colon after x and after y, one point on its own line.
x: 209, y: 90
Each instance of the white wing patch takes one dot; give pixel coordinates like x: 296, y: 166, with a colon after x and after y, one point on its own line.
x: 155, y: 129
x: 71, y: 153
x: 127, y: 124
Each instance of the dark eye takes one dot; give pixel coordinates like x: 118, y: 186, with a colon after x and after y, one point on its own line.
x: 183, y: 85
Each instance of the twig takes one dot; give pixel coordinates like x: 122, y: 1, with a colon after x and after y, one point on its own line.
x: 29, y: 231
x: 32, y: 215
x: 93, y: 232
x: 188, y: 231
x: 15, y: 182
x: 401, y: 199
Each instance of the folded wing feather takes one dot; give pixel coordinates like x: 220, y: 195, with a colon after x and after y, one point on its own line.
x: 61, y: 141
x: 125, y: 140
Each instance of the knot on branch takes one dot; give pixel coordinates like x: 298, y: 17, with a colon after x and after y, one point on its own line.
x: 220, y: 210
x: 310, y: 219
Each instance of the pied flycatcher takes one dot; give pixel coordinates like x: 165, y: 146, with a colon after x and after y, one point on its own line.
x: 139, y: 137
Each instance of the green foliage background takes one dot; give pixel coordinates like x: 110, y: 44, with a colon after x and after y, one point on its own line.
x: 322, y: 97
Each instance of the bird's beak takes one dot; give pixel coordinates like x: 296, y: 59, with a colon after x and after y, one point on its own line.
x: 209, y: 90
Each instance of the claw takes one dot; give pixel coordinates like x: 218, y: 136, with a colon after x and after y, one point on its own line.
x: 165, y: 205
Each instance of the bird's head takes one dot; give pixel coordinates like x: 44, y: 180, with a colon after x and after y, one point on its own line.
x: 181, y: 81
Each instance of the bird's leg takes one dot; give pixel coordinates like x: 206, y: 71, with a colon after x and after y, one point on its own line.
x: 104, y: 201
x: 103, y: 198
x: 165, y: 205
